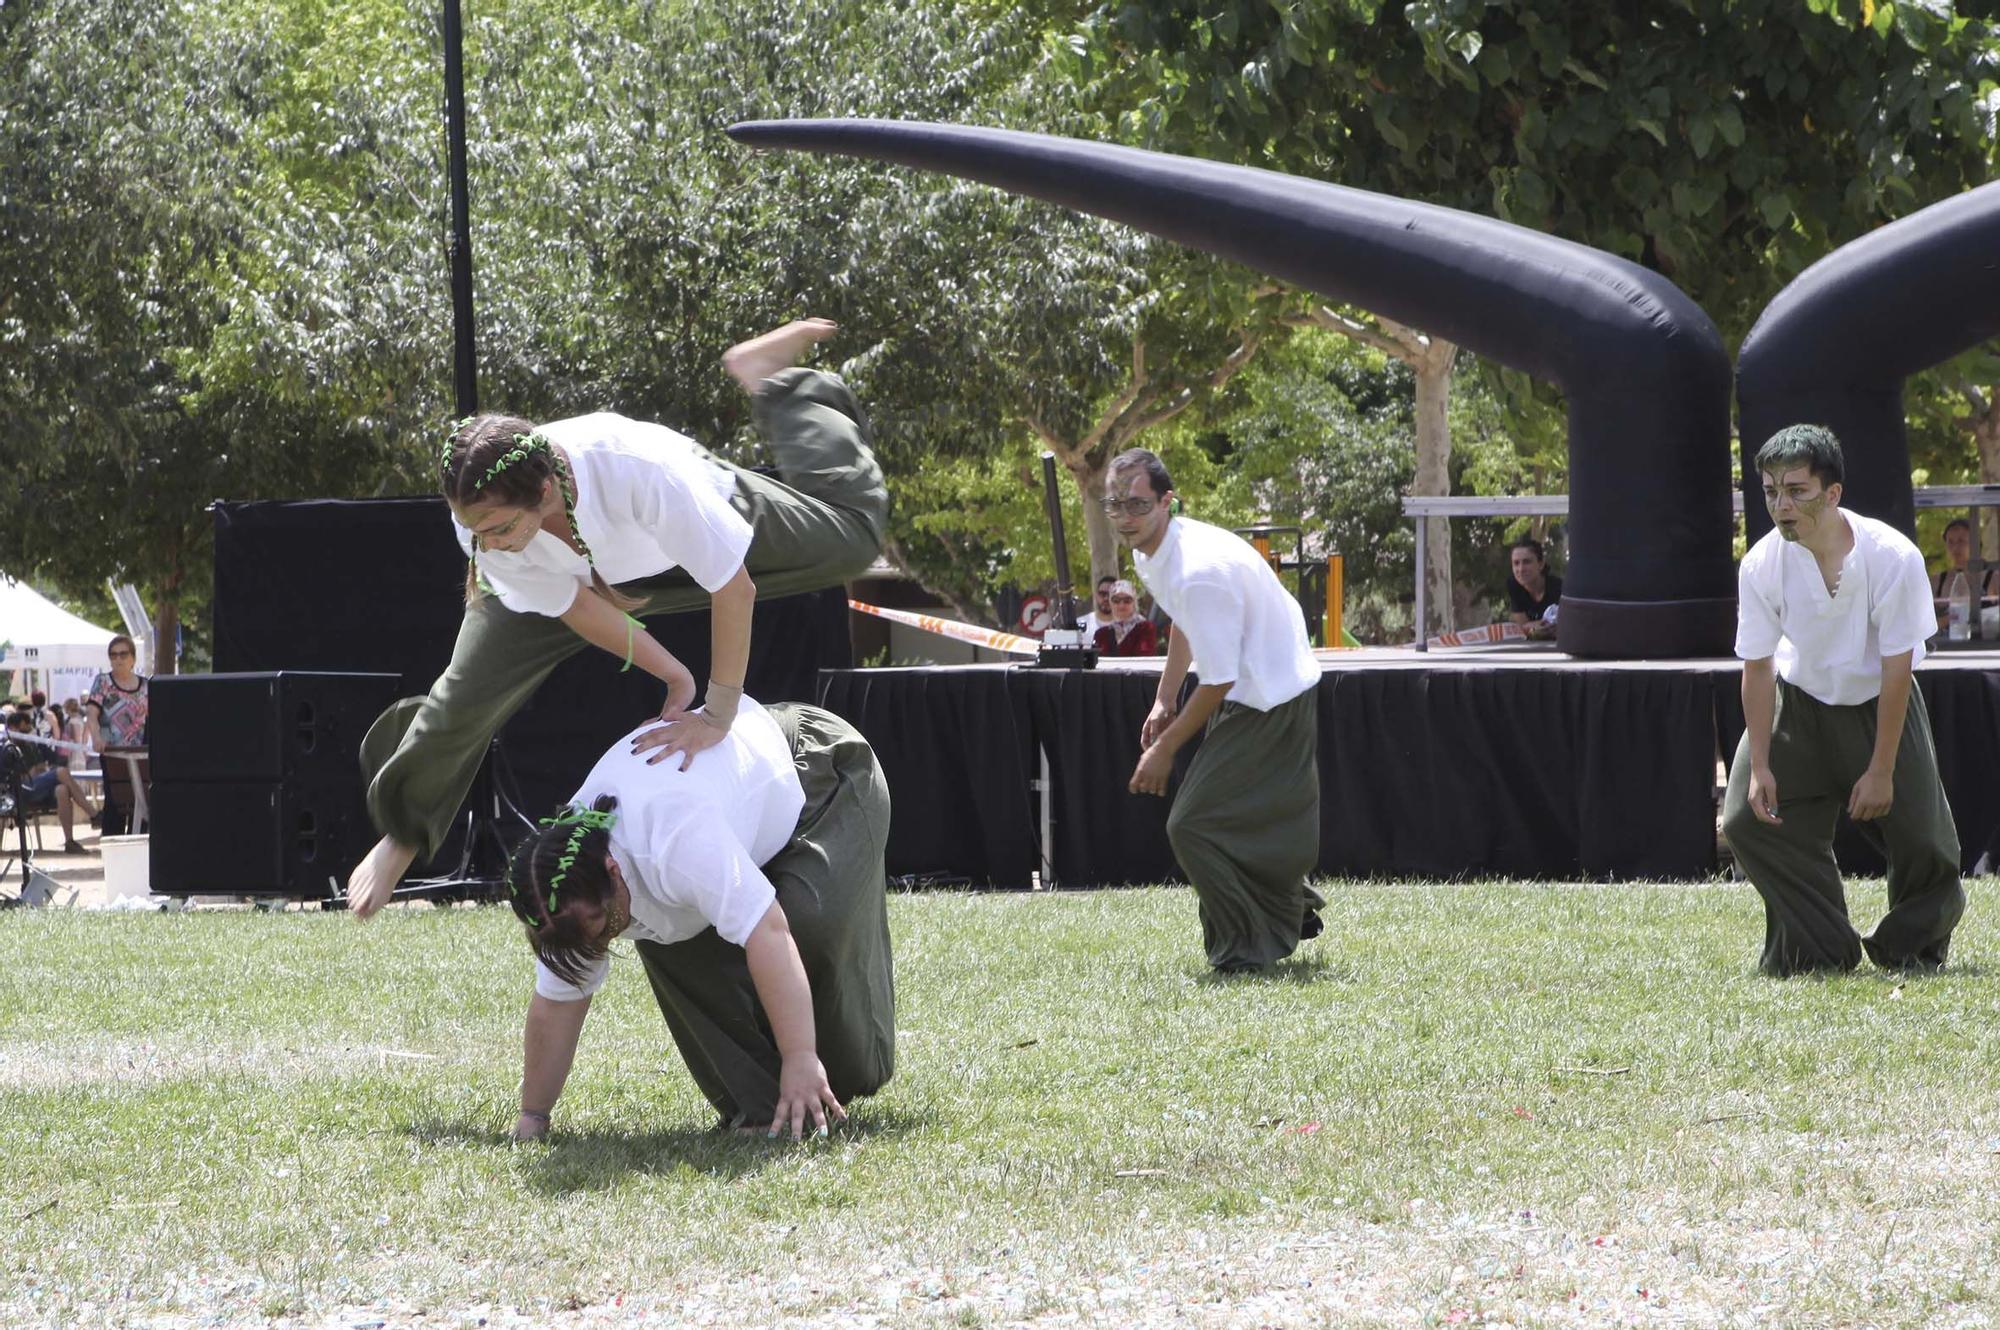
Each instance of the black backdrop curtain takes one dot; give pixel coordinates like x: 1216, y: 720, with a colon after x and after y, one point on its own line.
x: 379, y: 585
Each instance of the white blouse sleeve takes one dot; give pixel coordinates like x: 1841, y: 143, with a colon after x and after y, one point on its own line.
x: 1213, y: 620
x: 678, y: 506
x: 1757, y: 625
x: 1905, y: 614
x: 550, y: 985
x: 705, y: 868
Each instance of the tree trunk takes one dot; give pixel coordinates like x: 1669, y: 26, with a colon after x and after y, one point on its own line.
x: 1102, y: 538
x: 166, y: 631
x: 1433, y: 366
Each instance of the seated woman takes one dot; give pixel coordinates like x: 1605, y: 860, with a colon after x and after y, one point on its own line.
x: 752, y: 883
x: 46, y: 783
x: 1127, y: 634
x: 1957, y: 557
x: 1531, y: 587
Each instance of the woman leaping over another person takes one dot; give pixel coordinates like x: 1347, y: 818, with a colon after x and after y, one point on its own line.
x: 575, y: 526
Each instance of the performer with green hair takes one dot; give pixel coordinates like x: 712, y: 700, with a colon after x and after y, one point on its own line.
x: 574, y: 526
x: 752, y: 884
x: 1833, y: 610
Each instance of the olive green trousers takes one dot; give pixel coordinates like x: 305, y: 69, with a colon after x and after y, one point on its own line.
x: 832, y: 886
x: 1245, y: 829
x: 1818, y: 752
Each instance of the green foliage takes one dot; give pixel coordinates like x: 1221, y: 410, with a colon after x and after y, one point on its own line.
x: 223, y: 226
x: 1726, y: 143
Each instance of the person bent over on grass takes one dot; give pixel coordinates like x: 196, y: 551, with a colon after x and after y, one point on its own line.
x: 574, y: 526
x: 752, y: 884
x: 1245, y: 825
x: 1832, y: 612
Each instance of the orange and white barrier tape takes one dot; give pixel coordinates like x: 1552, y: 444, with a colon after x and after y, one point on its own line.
x: 993, y: 638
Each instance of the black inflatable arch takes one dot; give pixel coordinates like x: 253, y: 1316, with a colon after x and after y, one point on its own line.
x: 1834, y: 347
x: 1642, y: 367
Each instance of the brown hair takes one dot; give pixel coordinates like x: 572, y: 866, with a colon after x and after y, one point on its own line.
x: 120, y: 637
x: 545, y: 890
x: 503, y: 460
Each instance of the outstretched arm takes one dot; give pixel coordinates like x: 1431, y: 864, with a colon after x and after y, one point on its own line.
x: 600, y: 623
x: 731, y: 606
x: 780, y: 979
x: 548, y: 1048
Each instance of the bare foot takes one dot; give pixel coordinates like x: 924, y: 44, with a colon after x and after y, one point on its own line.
x: 369, y: 886
x: 752, y: 362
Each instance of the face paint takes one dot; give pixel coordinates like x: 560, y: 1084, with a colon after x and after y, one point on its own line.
x: 617, y: 916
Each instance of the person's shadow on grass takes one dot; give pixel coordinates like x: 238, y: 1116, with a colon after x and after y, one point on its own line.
x: 1313, y: 968
x: 571, y: 1161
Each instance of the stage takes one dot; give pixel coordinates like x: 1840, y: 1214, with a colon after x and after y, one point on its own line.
x: 1512, y: 761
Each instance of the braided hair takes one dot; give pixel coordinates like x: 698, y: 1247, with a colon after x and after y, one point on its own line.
x: 504, y: 460
x: 559, y: 866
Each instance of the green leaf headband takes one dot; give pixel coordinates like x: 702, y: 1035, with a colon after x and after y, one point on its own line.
x: 581, y: 821
x: 451, y: 444
x: 525, y: 446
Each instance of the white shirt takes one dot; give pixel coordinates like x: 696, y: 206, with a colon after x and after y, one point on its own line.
x: 692, y: 843
x: 1832, y: 644
x: 1242, y: 626
x: 1091, y: 622
x: 647, y: 499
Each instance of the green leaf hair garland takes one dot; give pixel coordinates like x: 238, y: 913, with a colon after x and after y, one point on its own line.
x: 526, y: 446
x: 581, y: 821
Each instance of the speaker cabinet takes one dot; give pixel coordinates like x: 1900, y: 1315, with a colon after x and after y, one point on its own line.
x: 256, y: 781
x: 256, y: 838
x: 286, y: 725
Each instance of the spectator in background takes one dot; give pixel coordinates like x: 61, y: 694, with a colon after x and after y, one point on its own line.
x: 48, y: 721
x: 1100, y: 614
x: 117, y: 704
x: 75, y: 729
x: 1531, y: 588
x: 1127, y: 634
x: 1957, y: 554
x: 45, y: 783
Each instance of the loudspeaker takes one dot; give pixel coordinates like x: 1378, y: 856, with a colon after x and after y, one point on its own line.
x: 283, y: 726
x: 256, y: 780
x: 249, y: 838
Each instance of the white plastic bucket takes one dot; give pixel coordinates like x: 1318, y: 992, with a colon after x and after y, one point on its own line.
x: 127, y: 866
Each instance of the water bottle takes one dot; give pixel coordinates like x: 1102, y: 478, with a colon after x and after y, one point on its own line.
x: 1958, y: 614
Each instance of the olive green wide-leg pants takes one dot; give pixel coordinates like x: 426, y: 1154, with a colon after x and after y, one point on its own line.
x: 832, y: 885
x: 1818, y: 752
x: 1245, y: 829
x: 817, y: 526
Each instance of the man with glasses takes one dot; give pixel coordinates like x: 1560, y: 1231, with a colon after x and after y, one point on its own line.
x: 1245, y: 824
x: 1100, y: 614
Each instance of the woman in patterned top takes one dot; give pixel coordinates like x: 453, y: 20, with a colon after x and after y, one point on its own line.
x: 117, y: 708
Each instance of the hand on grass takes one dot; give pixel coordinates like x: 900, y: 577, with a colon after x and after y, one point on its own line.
x: 803, y: 1095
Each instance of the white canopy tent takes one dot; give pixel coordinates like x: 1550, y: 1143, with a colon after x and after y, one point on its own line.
x: 42, y: 637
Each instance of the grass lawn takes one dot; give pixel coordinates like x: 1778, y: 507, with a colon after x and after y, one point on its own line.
x: 1464, y: 1105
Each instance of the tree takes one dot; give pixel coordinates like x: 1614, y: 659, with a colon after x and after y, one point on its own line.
x: 151, y: 359
x: 1726, y: 143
